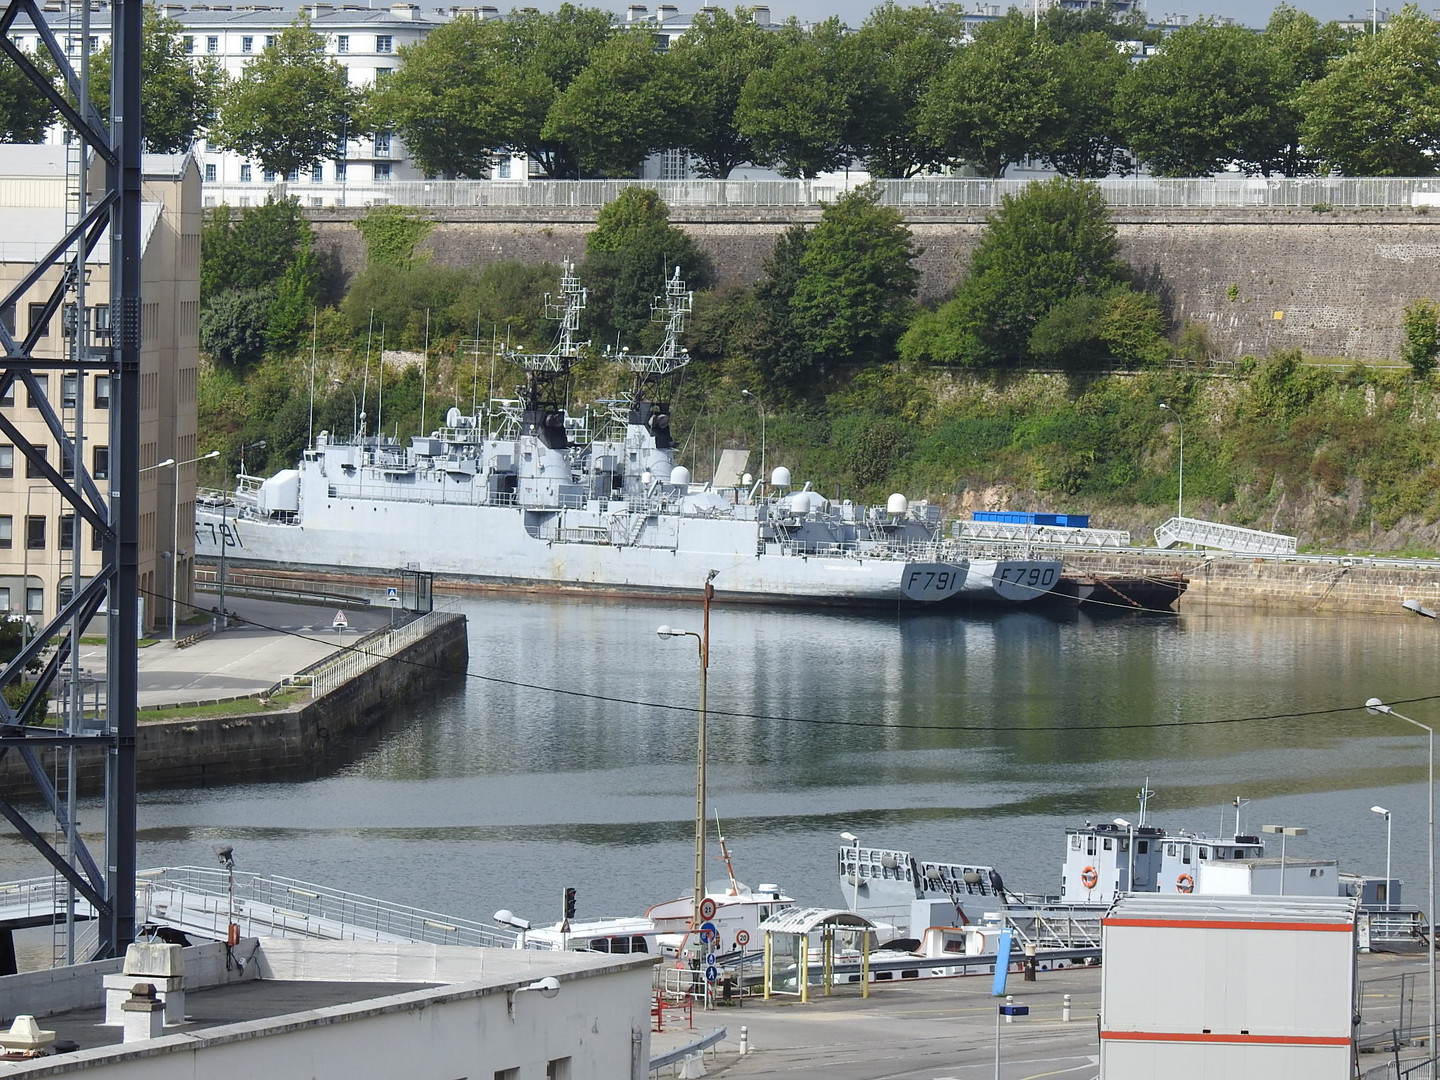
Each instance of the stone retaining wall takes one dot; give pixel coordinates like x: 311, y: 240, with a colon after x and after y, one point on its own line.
x: 1360, y: 588
x: 298, y: 740
x: 1330, y: 283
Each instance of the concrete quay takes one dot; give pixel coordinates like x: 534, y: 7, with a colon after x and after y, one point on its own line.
x: 944, y: 1029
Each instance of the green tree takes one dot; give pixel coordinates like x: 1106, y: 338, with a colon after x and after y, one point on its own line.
x: 457, y: 98
x: 710, y: 64
x: 549, y: 50
x: 773, y: 341
x: 233, y: 325
x: 1421, y: 322
x: 1062, y: 25
x: 1210, y: 96
x: 1301, y: 50
x: 1376, y: 112
x: 627, y: 259
x: 1087, y: 143
x: 998, y: 100
x: 24, y: 112
x: 798, y: 113
x: 290, y: 107
x: 620, y: 109
x: 178, y: 93
x: 252, y: 249
x: 1052, y: 242
x: 900, y: 51
x: 857, y: 280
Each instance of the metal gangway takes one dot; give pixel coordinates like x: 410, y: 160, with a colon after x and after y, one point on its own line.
x: 204, y: 902
x: 1055, y: 926
x: 1049, y: 535
x: 1212, y: 534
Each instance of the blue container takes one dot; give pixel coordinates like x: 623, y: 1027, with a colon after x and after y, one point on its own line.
x: 1015, y: 517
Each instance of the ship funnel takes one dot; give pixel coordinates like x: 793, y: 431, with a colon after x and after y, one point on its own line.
x: 680, y: 476
x: 780, y: 477
x: 897, y: 505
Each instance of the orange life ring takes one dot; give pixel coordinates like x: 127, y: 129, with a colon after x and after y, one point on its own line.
x: 1089, y: 878
x: 1185, y: 883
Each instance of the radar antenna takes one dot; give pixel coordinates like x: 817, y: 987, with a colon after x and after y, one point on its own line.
x: 670, y: 309
x: 540, y: 414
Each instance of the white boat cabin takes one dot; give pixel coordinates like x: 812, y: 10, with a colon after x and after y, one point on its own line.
x: 621, y: 936
x: 883, y: 883
x: 1106, y: 859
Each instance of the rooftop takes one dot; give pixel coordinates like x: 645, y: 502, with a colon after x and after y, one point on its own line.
x: 1146, y: 908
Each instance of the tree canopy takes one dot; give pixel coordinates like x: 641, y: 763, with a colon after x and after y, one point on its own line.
x: 291, y: 107
x: 25, y: 113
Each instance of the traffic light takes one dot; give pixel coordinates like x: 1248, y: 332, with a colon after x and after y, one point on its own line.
x: 569, y: 903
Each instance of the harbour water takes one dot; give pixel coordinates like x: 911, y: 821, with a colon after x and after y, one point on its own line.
x: 567, y: 758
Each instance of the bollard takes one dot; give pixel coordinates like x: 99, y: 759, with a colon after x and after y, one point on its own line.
x: 744, y: 1040
x: 1065, y: 1010
x: 1009, y: 1000
x: 1029, y: 963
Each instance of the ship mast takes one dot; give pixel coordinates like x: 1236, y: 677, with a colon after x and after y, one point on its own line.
x: 670, y: 309
x: 541, y: 414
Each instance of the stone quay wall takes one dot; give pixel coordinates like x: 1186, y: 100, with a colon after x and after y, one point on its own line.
x: 1361, y: 587
x: 298, y: 740
x: 1333, y: 283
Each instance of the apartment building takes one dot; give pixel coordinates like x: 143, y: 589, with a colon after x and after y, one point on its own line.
x: 38, y: 531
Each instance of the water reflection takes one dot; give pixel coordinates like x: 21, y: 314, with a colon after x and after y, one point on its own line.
x: 957, y: 737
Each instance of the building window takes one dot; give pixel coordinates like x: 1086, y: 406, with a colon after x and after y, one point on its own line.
x: 384, y: 43
x: 35, y: 532
x: 5, y: 600
x: 317, y: 174
x: 382, y: 171
x: 293, y: 176
x: 8, y: 398
x: 381, y: 74
x: 212, y: 44
x: 342, y: 43
x: 558, y: 1069
x: 69, y: 389
x: 7, y: 534
x: 67, y: 532
x: 340, y: 172
x: 269, y: 41
x: 100, y: 317
x: 211, y: 173
x: 35, y: 602
x: 7, y: 461
x: 42, y: 384
x: 102, y: 391
x: 189, y: 43
x: 38, y: 319
x: 31, y: 471
x: 100, y: 458
x: 245, y: 173
x: 269, y: 176
x: 382, y: 144
x: 67, y: 462
x: 247, y: 43
x: 504, y: 173
x: 97, y: 542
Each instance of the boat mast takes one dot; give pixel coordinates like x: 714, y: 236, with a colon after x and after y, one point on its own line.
x: 541, y: 415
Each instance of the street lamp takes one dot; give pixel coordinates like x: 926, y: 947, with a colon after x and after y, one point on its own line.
x: 175, y: 544
x: 1382, y: 810
x: 1130, y: 869
x: 1375, y: 705
x: 851, y: 838
x: 1180, y: 499
x: 1283, y: 831
x: 702, y: 642
x: 764, y: 478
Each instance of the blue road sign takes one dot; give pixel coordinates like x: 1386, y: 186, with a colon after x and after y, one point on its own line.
x: 1014, y: 1010
x: 711, y: 973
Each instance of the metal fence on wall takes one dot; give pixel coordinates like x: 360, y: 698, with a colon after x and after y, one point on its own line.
x: 1355, y: 193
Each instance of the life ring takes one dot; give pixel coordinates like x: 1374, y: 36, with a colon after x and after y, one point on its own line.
x: 1185, y: 883
x: 1089, y: 878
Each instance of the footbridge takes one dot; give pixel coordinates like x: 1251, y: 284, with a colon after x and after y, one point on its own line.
x: 1212, y: 534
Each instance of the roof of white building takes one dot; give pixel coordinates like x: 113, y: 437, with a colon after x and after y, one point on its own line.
x: 1175, y: 909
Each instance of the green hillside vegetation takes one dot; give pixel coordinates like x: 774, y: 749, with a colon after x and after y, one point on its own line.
x: 1037, y: 385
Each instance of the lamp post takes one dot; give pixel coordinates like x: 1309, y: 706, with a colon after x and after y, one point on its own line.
x: 702, y: 642
x: 175, y: 545
x: 851, y: 838
x: 1180, y: 498
x: 1375, y: 705
x: 1130, y: 867
x: 1283, y: 831
x: 764, y: 477
x: 1382, y: 810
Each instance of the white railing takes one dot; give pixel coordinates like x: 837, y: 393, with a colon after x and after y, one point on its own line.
x: 1212, y: 534
x: 1056, y: 535
x: 365, y: 654
x: 1319, y: 193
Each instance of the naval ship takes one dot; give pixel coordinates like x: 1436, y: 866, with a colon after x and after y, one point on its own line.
x: 525, y: 497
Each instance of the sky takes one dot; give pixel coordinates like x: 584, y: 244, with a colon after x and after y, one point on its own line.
x: 853, y: 12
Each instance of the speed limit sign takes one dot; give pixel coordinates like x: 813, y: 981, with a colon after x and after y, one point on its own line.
x: 742, y: 937
x: 707, y: 909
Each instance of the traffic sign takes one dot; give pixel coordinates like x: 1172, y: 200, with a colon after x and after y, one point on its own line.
x: 340, y: 622
x: 711, y: 973
x: 709, y: 932
x: 392, y: 595
x: 710, y: 959
x: 1014, y: 1010
x: 742, y: 937
x: 707, y: 909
